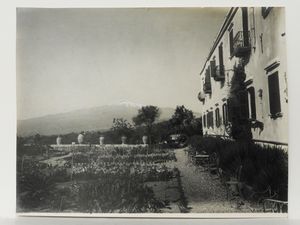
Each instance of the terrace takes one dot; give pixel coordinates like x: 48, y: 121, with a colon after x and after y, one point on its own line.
x: 241, y: 44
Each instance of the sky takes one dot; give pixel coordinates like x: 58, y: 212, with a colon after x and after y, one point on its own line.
x: 69, y: 59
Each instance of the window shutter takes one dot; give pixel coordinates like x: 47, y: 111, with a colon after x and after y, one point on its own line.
x: 274, y: 94
x: 213, y: 68
x: 231, y: 42
x: 244, y: 104
x: 221, y: 63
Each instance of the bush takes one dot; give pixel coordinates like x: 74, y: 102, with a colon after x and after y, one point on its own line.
x: 263, y: 167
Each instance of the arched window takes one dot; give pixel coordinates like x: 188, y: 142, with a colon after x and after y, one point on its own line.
x: 217, y: 117
x: 252, y: 106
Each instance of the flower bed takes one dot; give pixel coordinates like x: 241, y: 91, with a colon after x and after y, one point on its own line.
x: 106, y: 180
x: 129, y: 158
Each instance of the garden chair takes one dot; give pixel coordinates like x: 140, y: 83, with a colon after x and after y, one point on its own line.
x: 213, y: 164
x: 201, y: 158
x: 233, y: 186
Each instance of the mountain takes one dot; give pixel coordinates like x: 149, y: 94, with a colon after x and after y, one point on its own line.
x: 97, y: 118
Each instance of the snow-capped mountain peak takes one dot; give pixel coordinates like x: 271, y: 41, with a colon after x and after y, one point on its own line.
x: 131, y: 104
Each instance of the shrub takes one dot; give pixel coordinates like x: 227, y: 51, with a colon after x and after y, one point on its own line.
x: 263, y: 167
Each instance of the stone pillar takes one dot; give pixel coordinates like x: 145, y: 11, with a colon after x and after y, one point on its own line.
x: 123, y: 139
x: 101, y: 140
x: 145, y: 139
x: 80, y: 138
x: 58, y: 140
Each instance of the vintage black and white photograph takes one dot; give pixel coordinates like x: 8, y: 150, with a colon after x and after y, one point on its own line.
x: 152, y: 111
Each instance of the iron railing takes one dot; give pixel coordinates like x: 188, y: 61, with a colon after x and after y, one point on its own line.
x: 241, y: 43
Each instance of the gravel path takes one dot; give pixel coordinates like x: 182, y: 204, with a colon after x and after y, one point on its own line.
x: 204, y: 192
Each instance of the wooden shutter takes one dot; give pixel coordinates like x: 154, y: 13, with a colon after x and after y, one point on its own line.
x: 231, y: 42
x: 244, y: 104
x: 221, y: 62
x: 245, y: 26
x: 274, y: 94
x: 213, y: 68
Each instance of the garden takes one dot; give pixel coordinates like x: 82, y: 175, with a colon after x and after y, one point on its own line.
x: 100, y: 180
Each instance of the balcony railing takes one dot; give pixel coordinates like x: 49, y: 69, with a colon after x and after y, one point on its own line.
x: 241, y: 44
x: 220, y: 73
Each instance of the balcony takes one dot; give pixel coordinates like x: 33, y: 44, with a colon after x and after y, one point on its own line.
x: 241, y: 44
x: 207, y: 82
x: 207, y: 88
x: 201, y: 96
x: 220, y: 73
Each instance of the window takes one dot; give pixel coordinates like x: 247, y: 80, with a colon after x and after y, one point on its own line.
x: 245, y: 26
x: 274, y: 95
x: 231, y: 42
x: 251, y: 99
x: 265, y: 11
x: 217, y: 117
x: 213, y: 68
x: 225, y: 113
x: 221, y: 63
x: 210, y: 119
x: 244, y: 105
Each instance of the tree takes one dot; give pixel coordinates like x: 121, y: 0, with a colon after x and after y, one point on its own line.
x: 121, y: 127
x: 182, y: 118
x: 147, y: 116
x: 240, y: 128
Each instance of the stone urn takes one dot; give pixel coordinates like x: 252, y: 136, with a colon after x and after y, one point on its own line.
x: 145, y: 139
x: 101, y: 140
x: 123, y: 139
x: 80, y: 138
x: 58, y: 140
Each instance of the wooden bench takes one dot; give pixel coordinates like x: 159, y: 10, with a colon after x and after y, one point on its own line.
x: 275, y: 206
x: 202, y: 160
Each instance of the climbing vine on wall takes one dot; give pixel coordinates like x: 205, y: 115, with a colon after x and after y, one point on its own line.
x: 238, y: 105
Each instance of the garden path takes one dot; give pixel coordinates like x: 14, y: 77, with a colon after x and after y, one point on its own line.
x: 204, y: 192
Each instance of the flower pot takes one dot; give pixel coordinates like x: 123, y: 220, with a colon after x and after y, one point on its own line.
x: 58, y: 140
x: 123, y: 139
x: 101, y: 140
x: 80, y: 138
x: 145, y: 139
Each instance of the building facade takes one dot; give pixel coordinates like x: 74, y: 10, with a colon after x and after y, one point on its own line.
x: 247, y: 63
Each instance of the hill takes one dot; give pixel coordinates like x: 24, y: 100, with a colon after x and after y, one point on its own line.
x: 97, y: 118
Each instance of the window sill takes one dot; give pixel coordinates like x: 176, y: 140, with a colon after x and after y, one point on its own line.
x: 275, y: 116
